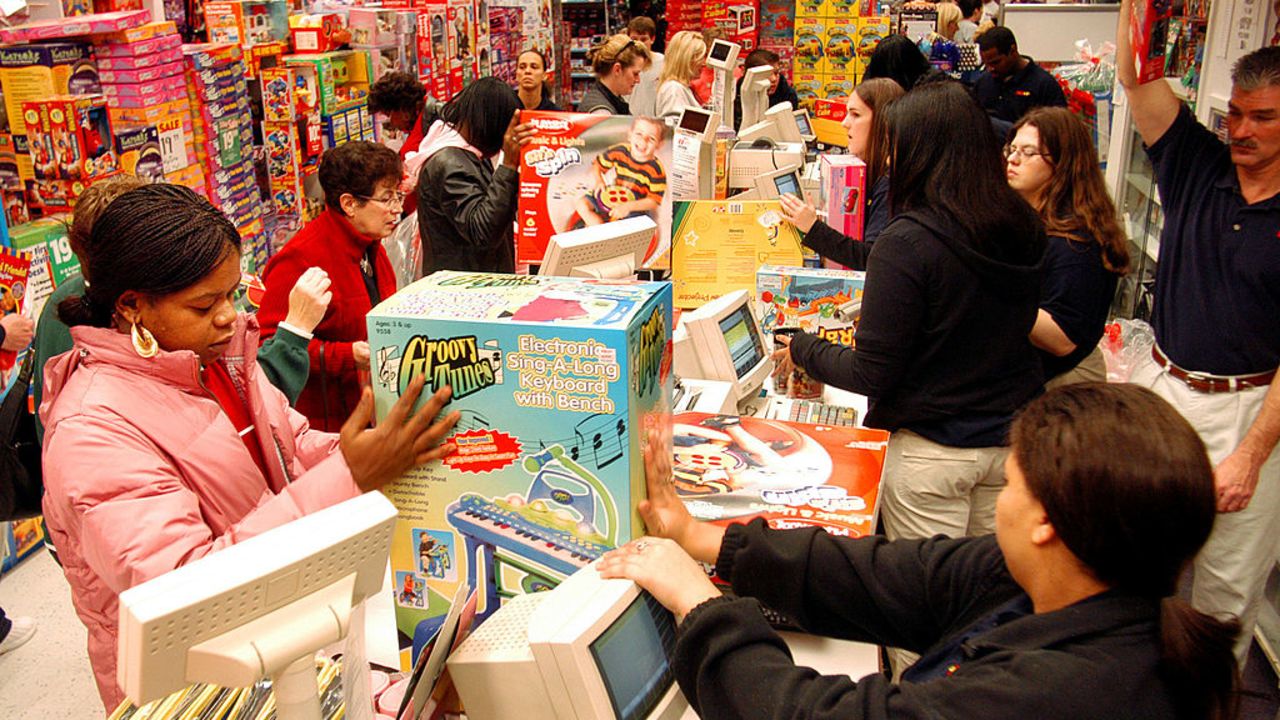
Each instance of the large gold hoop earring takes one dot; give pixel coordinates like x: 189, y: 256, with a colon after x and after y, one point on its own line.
x: 144, y: 343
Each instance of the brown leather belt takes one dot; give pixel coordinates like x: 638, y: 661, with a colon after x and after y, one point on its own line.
x: 1201, y: 382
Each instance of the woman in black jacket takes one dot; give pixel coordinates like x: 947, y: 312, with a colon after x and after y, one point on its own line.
x: 868, y: 129
x: 1068, y: 613
x: 951, y: 295
x: 466, y: 206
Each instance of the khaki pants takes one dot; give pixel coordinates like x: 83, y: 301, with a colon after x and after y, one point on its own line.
x: 1093, y: 368
x: 932, y: 489
x: 1231, y: 569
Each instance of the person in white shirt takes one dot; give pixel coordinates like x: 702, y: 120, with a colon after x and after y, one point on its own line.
x: 645, y: 97
x: 686, y: 53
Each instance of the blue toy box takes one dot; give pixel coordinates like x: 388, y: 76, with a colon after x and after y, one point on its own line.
x: 557, y: 381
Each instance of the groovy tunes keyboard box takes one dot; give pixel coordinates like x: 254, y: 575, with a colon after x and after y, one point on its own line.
x: 557, y: 381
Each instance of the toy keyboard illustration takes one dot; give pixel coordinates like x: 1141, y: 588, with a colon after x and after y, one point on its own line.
x: 484, y: 521
x: 811, y: 411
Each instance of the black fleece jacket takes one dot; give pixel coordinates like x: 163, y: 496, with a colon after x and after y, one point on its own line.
x: 465, y: 213
x: 942, y: 347
x: 1095, y: 660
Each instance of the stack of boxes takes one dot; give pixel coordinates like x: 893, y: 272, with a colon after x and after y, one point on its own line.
x: 71, y: 148
x: 683, y: 15
x: 335, y: 85
x: 506, y: 25
x: 833, y: 41
x: 389, y: 36
x: 141, y: 70
x: 218, y: 91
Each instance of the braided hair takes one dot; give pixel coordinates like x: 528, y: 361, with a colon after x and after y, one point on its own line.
x: 157, y: 240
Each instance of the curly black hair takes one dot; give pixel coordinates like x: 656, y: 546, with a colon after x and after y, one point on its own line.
x: 396, y: 91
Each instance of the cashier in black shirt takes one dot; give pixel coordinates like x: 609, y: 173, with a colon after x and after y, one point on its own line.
x: 1013, y: 83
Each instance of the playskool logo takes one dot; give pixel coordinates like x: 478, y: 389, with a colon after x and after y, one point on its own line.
x: 481, y: 280
x: 653, y: 341
x: 547, y: 124
x: 454, y: 361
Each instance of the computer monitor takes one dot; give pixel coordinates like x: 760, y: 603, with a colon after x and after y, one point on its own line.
x: 609, y: 251
x: 699, y: 123
x: 722, y: 341
x: 779, y: 183
x: 590, y: 649
x: 723, y: 54
x: 805, y: 125
x: 784, y: 116
x: 260, y: 608
x: 755, y: 94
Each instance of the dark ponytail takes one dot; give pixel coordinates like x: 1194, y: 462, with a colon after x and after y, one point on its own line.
x: 1198, y: 658
x: 1128, y: 487
x: 157, y: 240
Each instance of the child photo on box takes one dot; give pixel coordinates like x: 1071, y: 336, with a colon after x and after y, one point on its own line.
x: 629, y: 178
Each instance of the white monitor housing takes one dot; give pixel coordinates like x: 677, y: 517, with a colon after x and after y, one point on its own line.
x: 804, y: 124
x: 722, y: 341
x: 755, y: 94
x: 699, y: 123
x: 722, y: 58
x: 784, y: 117
x: 260, y: 608
x: 609, y: 251
x: 589, y: 649
x: 750, y: 160
x: 780, y: 182
x: 693, y: 155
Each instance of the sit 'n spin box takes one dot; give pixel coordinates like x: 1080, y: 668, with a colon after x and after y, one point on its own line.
x: 557, y: 381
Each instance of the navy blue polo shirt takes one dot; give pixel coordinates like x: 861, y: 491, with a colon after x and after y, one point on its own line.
x: 1217, y: 293
x: 1010, y: 98
x: 1077, y: 292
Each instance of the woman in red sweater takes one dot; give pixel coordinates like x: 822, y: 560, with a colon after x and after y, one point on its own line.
x: 363, y: 204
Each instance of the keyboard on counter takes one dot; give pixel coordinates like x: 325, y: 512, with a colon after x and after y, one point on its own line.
x: 813, y: 412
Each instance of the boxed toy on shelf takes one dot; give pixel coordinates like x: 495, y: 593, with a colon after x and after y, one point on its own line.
x: 247, y: 22
x: 558, y: 382
x: 95, y: 24
x: 815, y: 300
x: 318, y: 32
x: 844, y: 193
x: 582, y: 169
x: 139, y: 151
x: 70, y: 138
x: 34, y: 72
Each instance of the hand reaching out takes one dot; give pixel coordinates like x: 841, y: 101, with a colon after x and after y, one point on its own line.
x: 309, y: 299
x: 798, y: 212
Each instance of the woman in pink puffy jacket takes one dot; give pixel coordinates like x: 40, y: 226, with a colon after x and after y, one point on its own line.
x: 164, y: 442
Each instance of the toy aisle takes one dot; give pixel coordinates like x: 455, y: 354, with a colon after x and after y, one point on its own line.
x: 660, y: 358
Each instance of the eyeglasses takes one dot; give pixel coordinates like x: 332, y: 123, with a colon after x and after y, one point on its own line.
x: 1023, y: 153
x: 395, y: 200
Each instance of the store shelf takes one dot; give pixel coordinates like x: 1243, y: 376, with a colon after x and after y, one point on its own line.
x: 582, y: 76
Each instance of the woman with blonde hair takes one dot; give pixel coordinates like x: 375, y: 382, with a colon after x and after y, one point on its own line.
x: 617, y: 63
x: 686, y: 54
x: 949, y: 17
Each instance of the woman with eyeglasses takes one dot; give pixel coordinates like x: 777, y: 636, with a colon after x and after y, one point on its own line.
x: 1052, y: 163
x: 362, y: 206
x: 617, y: 63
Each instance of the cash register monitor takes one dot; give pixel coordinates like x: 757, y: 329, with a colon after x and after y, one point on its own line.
x: 727, y: 344
x: 805, y: 125
x: 609, y: 251
x: 590, y: 648
x: 755, y: 94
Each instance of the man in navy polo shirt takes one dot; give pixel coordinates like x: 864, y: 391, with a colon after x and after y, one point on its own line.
x: 1013, y: 83
x: 1217, y: 310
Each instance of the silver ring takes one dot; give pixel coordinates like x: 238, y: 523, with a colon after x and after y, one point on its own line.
x: 641, y: 545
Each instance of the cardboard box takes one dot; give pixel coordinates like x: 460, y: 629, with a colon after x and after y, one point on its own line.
x: 807, y: 298
x: 372, y: 26
x: 840, y: 45
x: 717, y: 245
x: 1148, y: 35
x: 808, y: 87
x: 247, y: 22
x: 57, y: 29
x: 70, y: 137
x: 579, y: 168
x: 838, y: 86
x: 558, y: 382
x: 139, y: 152
x: 810, y: 9
x: 148, y: 31
x: 317, y: 33
x: 35, y: 72
x: 871, y: 30
x: 810, y: 42
x: 822, y: 476
x: 139, y: 50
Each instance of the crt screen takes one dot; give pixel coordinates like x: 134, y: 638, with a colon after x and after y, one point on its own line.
x: 720, y: 51
x: 787, y: 184
x: 802, y: 122
x: 632, y: 656
x: 739, y: 330
x: 695, y: 121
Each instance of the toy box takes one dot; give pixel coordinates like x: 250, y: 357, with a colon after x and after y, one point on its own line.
x: 813, y: 476
x: 278, y: 100
x: 372, y: 26
x: 139, y: 152
x: 140, y: 33
x: 844, y: 8
x: 266, y: 55
x: 317, y: 33
x: 56, y: 29
x: 35, y: 72
x: 50, y: 234
x: 138, y: 62
x: 385, y: 59
x: 840, y: 44
x: 844, y: 193
x: 808, y: 87
x: 810, y: 9
x: 355, y: 123
x: 718, y: 244
x: 1148, y: 35
x: 871, y: 30
x: 434, y: 61
x: 838, y: 86
x: 330, y: 81
x: 10, y: 178
x: 19, y: 539
x: 50, y: 196
x: 585, y: 169
x: 138, y: 51
x: 462, y: 37
x: 247, y: 22
x: 809, y: 299
x: 22, y: 151
x: 558, y: 382
x: 141, y: 74
x: 809, y: 43
x: 70, y: 137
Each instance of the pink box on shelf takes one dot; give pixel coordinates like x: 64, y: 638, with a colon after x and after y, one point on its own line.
x: 137, y: 62
x: 142, y: 48
x: 141, y: 75
x: 71, y: 27
x: 844, y: 191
